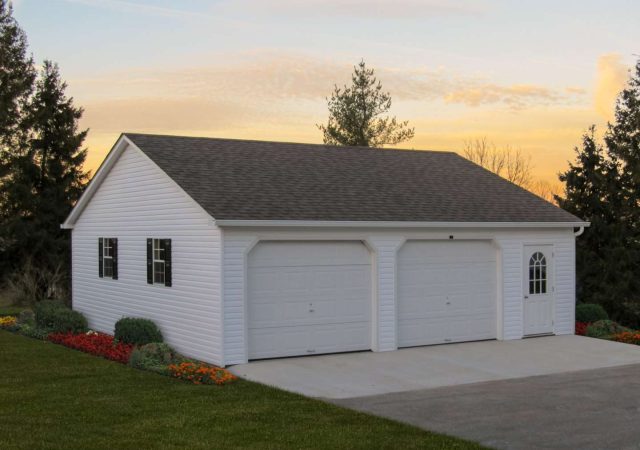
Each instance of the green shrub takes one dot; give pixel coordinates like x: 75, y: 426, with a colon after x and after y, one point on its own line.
x: 67, y: 320
x: 155, y: 357
x: 34, y: 332
x: 27, y: 317
x: 590, y: 312
x: 45, y: 312
x: 132, y: 330
x: 54, y: 315
x: 605, y: 328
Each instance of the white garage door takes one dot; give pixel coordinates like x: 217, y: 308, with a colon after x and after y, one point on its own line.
x: 446, y: 292
x: 308, y: 298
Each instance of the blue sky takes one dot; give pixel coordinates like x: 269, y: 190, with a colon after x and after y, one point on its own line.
x: 530, y: 74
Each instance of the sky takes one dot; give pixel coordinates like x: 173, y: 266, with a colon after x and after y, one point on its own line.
x: 532, y: 75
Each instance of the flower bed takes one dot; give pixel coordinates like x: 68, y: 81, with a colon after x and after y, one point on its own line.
x: 628, y: 337
x: 97, y: 344
x: 581, y: 328
x: 7, y: 321
x: 201, y: 373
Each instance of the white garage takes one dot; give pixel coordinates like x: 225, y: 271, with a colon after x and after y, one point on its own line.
x: 242, y: 250
x: 308, y: 298
x: 446, y: 292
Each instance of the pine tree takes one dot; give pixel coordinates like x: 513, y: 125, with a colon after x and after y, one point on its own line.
x: 48, y: 179
x: 355, y: 114
x: 17, y: 76
x: 606, y: 254
x: 623, y: 135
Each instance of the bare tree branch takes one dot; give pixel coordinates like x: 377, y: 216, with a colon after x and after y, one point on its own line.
x: 506, y: 162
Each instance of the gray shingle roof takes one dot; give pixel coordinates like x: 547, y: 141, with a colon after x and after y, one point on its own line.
x: 254, y: 180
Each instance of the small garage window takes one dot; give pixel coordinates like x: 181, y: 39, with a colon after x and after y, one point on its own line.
x: 108, y: 258
x: 159, y: 261
x: 538, y: 274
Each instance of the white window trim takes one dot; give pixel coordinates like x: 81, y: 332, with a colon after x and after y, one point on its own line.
x: 106, y: 244
x: 163, y: 261
x: 539, y: 263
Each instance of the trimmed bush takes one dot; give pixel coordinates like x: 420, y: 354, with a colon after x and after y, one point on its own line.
x: 605, y: 328
x: 154, y: 357
x: 45, y: 312
x: 590, y: 312
x: 68, y: 321
x: 56, y: 317
x: 132, y: 330
x: 27, y: 317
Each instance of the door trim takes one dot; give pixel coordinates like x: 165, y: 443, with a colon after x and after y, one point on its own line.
x: 551, y: 277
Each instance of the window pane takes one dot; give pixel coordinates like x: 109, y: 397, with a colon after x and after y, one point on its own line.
x: 543, y: 289
x: 531, y: 272
x: 537, y: 286
x: 108, y: 267
x: 531, y: 291
x: 158, y: 272
x: 543, y: 272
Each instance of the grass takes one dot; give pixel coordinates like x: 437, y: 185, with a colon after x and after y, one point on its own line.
x: 53, y: 397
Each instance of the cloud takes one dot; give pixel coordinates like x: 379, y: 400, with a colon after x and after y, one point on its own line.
x: 129, y: 6
x: 515, y: 96
x: 611, y: 78
x: 387, y: 9
x: 146, y: 114
x: 275, y: 77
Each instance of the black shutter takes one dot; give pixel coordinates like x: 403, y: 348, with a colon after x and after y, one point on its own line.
x: 100, y: 268
x: 167, y: 261
x: 114, y: 253
x: 150, y: 261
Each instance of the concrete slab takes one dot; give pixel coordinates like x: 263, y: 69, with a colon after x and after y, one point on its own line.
x: 348, y: 375
x: 588, y: 410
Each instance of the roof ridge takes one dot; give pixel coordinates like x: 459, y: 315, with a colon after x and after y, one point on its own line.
x: 258, y: 141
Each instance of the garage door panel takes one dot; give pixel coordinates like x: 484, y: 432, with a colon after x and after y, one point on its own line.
x: 446, y: 292
x: 295, y: 293
x: 308, y: 339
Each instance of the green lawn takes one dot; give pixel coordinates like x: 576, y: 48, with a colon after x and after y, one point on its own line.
x: 53, y: 397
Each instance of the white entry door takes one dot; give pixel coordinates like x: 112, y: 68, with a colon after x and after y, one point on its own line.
x: 306, y: 298
x: 446, y: 292
x: 538, y: 289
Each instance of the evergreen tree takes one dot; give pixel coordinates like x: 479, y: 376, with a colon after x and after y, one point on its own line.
x: 623, y: 136
x: 54, y: 166
x: 606, y: 254
x: 17, y: 76
x: 355, y: 114
x: 42, y: 161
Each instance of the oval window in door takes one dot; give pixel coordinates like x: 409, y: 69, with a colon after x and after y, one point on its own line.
x: 537, y: 274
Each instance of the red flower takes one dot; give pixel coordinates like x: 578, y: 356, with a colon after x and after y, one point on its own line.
x: 97, y: 344
x: 581, y: 328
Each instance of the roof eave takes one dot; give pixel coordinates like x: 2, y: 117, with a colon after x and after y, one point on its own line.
x: 394, y: 224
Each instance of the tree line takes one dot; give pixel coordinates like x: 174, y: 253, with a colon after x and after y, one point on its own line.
x: 41, y: 166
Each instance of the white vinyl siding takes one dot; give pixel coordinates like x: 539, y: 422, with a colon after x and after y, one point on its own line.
x: 385, y: 246
x: 136, y: 201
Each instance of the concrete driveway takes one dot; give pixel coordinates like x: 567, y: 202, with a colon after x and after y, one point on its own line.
x: 589, y: 409
x: 348, y: 375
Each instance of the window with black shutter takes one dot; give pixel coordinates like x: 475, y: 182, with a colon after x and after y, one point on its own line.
x: 159, y: 261
x: 108, y: 258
